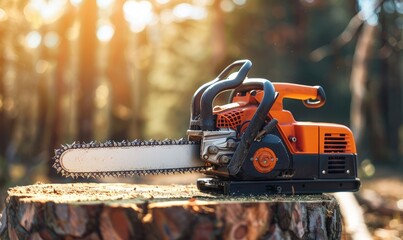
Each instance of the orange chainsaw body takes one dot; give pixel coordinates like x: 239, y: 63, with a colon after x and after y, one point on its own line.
x: 303, y: 137
x: 255, y: 146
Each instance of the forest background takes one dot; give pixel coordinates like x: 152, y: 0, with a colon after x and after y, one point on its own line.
x: 125, y: 69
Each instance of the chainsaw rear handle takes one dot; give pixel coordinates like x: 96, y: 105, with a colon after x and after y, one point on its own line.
x: 202, y: 102
x: 311, y: 96
x: 317, y: 102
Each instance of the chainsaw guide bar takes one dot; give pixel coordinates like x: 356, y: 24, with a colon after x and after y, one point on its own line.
x: 127, y: 158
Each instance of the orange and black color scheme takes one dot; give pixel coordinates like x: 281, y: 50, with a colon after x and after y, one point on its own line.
x: 273, y: 153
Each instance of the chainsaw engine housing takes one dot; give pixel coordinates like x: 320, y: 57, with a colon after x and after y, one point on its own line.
x: 256, y: 146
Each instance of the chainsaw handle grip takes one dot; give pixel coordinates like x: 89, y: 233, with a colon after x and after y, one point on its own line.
x: 317, y: 102
x: 241, y: 75
x: 223, y: 82
x: 311, y: 96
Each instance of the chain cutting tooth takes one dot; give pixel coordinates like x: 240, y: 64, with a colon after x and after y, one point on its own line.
x: 57, y: 152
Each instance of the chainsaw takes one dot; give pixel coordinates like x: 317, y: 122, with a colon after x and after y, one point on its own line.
x: 251, y: 145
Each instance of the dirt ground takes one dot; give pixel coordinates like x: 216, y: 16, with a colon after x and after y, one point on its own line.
x: 381, y: 197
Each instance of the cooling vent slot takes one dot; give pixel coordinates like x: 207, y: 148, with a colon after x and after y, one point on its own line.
x: 336, y: 165
x: 230, y: 119
x: 336, y: 143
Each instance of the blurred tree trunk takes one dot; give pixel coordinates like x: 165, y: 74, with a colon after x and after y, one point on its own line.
x: 394, y: 109
x: 118, y: 76
x: 391, y: 87
x: 21, y: 100
x: 218, y: 41
x: 87, y: 69
x: 8, y: 81
x: 142, y: 58
x: 358, y: 81
x: 4, y: 128
x: 44, y: 102
x: 55, y: 110
x: 4, y: 121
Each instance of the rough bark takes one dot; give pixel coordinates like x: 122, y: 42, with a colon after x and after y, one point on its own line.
x: 129, y: 211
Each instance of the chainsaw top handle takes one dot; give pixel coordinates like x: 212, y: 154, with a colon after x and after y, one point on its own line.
x: 202, y: 108
x: 255, y: 125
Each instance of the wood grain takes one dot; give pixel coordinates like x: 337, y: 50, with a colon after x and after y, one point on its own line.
x: 131, y: 211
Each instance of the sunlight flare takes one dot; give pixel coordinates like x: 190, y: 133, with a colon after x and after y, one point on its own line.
x: 105, y: 32
x: 139, y: 14
x: 33, y: 39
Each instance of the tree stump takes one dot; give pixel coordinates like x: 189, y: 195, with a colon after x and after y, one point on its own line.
x: 132, y: 211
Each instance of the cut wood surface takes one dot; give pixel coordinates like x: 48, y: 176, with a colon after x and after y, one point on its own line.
x: 132, y: 211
